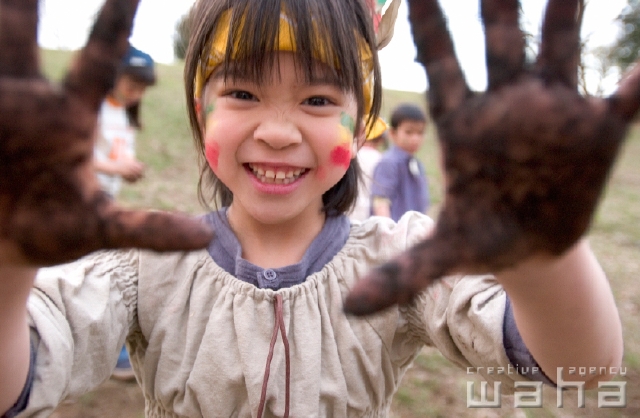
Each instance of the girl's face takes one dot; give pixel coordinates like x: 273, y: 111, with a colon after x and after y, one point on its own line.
x: 279, y: 145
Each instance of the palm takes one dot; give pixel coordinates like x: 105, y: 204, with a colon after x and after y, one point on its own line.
x: 525, y: 162
x: 51, y: 207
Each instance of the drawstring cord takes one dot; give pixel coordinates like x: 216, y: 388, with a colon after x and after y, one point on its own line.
x: 279, y: 325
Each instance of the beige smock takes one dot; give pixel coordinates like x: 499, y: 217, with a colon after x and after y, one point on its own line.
x: 199, y: 338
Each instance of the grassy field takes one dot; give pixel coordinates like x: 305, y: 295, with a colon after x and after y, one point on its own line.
x: 432, y: 387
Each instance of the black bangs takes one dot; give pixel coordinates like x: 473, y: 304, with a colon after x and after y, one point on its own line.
x: 320, y: 33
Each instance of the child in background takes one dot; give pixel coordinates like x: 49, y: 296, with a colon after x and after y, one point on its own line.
x: 368, y: 157
x: 115, y: 153
x: 254, y: 325
x: 399, y: 180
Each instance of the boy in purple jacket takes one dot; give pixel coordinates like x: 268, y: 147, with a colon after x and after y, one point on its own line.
x: 399, y: 180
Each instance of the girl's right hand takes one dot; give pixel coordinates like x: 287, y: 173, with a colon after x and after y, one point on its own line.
x: 51, y: 207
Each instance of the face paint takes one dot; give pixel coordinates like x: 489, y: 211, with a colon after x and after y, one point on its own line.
x: 210, y: 108
x: 211, y: 148
x: 212, y: 152
x: 341, y: 154
x: 348, y: 122
x: 210, y: 125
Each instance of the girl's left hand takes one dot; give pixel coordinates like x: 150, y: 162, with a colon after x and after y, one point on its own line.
x: 525, y: 162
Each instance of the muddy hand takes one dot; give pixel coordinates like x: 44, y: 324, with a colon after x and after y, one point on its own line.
x: 525, y: 162
x: 51, y: 206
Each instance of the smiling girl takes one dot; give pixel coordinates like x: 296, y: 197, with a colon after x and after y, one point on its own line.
x: 281, y: 93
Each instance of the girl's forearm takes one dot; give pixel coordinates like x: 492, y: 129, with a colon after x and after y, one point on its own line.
x: 15, y: 285
x: 566, y: 313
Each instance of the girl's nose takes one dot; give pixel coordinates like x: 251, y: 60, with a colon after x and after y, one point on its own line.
x: 277, y: 132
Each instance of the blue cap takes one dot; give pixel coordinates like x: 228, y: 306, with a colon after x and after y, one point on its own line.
x: 139, y: 65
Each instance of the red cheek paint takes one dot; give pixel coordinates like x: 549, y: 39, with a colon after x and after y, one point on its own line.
x: 212, y: 152
x: 341, y: 156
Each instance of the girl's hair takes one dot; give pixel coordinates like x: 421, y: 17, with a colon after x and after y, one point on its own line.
x: 334, y: 29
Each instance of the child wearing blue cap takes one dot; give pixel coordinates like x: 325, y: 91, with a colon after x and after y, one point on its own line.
x: 119, y: 118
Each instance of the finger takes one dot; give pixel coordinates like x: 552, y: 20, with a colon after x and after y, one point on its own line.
x: 626, y: 99
x: 19, y: 38
x: 560, y: 46
x: 55, y: 221
x: 398, y: 281
x: 447, y: 86
x: 93, y: 72
x: 158, y: 231
x: 504, y: 41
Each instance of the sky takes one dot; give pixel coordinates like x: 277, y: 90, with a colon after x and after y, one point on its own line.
x: 64, y: 24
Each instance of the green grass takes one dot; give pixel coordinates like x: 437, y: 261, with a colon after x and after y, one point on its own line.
x: 433, y: 386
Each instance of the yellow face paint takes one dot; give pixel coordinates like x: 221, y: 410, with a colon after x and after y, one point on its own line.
x: 347, y: 128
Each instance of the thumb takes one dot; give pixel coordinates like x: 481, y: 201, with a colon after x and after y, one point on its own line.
x: 155, y: 230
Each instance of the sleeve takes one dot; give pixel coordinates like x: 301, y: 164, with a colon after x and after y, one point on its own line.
x: 80, y: 315
x: 518, y: 352
x: 464, y: 318
x: 385, y: 179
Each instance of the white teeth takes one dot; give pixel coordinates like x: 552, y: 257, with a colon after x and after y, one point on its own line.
x: 276, y: 176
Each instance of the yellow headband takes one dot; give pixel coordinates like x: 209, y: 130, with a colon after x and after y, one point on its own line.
x: 285, y: 43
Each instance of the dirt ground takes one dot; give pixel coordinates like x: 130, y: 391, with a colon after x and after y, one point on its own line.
x: 431, y: 388
x: 113, y: 399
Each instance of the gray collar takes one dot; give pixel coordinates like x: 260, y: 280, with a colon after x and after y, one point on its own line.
x: 227, y: 253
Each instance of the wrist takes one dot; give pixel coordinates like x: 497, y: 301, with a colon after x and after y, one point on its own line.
x: 16, y: 283
x: 540, y: 269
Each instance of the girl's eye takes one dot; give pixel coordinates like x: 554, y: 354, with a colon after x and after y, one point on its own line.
x: 317, y: 101
x: 241, y: 95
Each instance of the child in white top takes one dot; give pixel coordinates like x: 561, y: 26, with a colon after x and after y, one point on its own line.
x: 368, y: 156
x: 115, y: 150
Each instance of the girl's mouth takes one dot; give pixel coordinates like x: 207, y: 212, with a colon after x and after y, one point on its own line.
x: 276, y: 175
